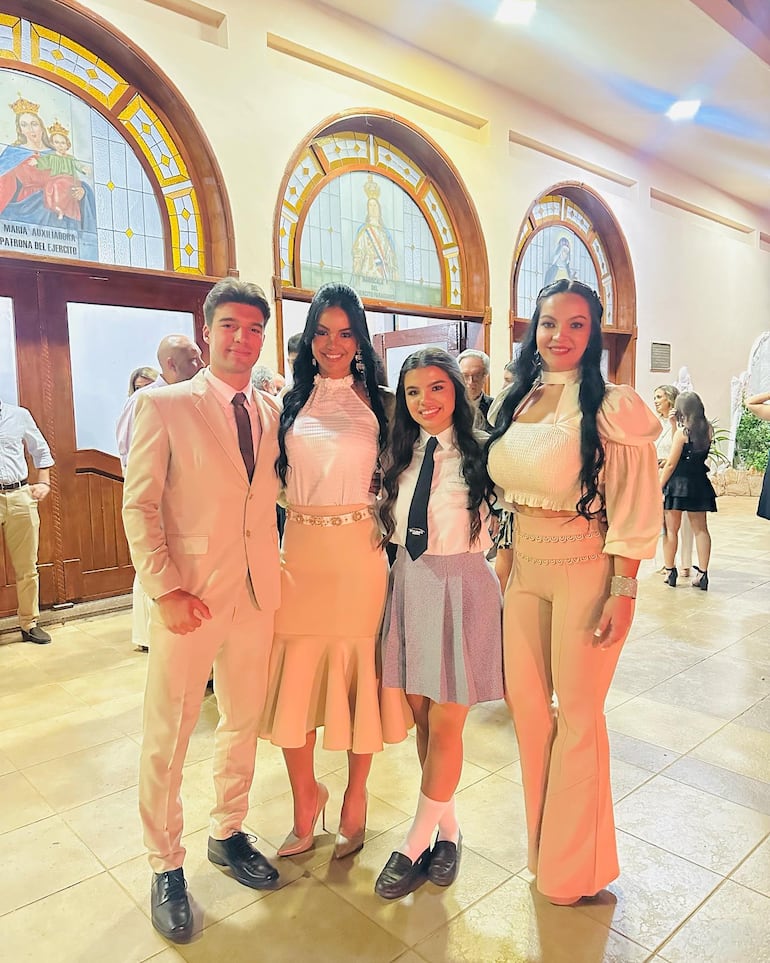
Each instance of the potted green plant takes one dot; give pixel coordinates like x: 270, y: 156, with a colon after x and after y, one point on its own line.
x: 752, y: 442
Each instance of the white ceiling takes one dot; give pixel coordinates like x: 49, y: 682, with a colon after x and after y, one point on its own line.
x: 614, y: 66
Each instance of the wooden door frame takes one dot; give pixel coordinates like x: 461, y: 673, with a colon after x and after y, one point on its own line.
x: 45, y: 378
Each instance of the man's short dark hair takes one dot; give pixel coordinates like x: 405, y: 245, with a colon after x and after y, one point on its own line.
x: 292, y: 345
x: 233, y: 290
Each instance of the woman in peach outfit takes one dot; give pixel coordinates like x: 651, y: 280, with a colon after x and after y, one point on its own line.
x: 576, y: 459
x: 334, y: 574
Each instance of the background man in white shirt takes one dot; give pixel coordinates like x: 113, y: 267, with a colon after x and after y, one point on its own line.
x: 179, y: 359
x: 18, y: 509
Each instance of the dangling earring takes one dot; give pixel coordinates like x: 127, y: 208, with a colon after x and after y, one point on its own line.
x: 538, y: 360
x: 360, y: 368
x: 313, y: 361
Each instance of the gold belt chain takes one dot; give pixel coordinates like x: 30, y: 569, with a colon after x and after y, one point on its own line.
x: 329, y: 521
x: 557, y: 538
x: 559, y: 561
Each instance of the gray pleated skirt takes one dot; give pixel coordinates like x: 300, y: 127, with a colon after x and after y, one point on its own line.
x: 442, y: 633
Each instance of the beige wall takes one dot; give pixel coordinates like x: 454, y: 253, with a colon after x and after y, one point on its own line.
x: 703, y: 287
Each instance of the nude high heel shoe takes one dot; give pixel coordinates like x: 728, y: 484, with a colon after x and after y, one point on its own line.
x: 293, y: 845
x: 347, y: 845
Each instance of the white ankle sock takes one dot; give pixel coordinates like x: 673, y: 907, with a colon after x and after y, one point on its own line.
x: 420, y: 834
x: 448, y: 827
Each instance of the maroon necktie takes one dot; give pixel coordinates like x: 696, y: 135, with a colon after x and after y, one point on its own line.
x: 245, y: 441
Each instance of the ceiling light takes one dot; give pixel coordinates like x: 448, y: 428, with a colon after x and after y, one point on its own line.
x: 683, y: 109
x: 518, y: 12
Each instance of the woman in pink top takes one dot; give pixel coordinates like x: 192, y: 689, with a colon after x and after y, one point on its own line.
x: 334, y: 572
x: 576, y: 459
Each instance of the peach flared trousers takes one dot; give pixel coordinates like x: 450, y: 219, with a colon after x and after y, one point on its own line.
x: 552, y: 605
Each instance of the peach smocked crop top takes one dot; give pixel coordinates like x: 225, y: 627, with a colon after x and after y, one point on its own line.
x: 539, y: 465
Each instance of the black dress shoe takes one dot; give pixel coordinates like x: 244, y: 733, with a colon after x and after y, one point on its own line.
x: 35, y: 634
x: 171, y: 913
x: 400, y: 875
x: 245, y: 861
x: 445, y: 862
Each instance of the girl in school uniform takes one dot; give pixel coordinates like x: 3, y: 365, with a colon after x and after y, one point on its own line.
x: 442, y: 629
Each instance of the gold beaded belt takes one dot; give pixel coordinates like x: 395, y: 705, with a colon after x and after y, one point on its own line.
x: 578, y: 537
x: 559, y: 561
x: 329, y: 521
x: 581, y: 542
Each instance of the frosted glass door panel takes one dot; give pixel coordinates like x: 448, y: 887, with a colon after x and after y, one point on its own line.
x: 294, y: 316
x: 107, y: 342
x: 9, y: 388
x: 396, y: 356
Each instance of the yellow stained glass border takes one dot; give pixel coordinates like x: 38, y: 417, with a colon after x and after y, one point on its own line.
x: 173, y: 183
x: 127, y: 117
x: 9, y: 20
x: 174, y: 219
x: 119, y: 85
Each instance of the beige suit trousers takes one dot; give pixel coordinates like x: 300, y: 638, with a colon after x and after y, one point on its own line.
x: 552, y: 606
x: 141, y: 611
x: 21, y: 530
x: 237, y: 643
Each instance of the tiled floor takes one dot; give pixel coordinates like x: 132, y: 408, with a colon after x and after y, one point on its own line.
x: 690, y: 728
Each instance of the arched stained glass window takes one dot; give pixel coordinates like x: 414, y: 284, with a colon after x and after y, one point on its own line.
x: 558, y: 241
x: 357, y: 209
x: 88, y: 171
x: 365, y: 230
x: 571, y: 232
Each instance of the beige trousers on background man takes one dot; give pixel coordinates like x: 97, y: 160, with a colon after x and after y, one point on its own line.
x: 237, y: 643
x: 552, y: 606
x: 21, y: 530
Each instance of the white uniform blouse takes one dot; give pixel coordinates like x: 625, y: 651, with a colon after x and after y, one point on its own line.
x: 448, y: 517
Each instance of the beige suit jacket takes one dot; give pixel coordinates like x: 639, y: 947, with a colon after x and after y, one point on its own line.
x: 191, y: 518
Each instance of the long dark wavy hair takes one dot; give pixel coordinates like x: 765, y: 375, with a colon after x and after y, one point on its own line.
x: 406, y: 431
x: 526, y: 373
x: 332, y: 295
x: 690, y: 414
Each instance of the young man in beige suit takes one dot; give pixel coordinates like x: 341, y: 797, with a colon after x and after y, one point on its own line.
x: 199, y: 512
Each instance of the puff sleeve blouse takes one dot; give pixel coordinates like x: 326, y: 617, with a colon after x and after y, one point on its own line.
x: 539, y: 465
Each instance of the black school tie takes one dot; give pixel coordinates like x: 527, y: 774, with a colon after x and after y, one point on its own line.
x: 417, y: 525
x: 243, y: 424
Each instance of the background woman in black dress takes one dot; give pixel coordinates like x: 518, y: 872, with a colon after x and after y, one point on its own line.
x: 686, y: 486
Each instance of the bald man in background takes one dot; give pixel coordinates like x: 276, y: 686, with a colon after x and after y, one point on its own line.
x: 179, y: 359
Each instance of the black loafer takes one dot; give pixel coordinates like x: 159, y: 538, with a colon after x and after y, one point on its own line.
x: 171, y: 913
x: 36, y: 635
x: 400, y: 875
x: 244, y: 860
x: 445, y: 862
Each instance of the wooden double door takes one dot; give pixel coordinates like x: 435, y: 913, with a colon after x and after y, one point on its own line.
x: 70, y: 337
